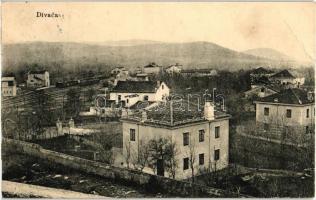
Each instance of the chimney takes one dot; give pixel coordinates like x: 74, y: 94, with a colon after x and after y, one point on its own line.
x: 209, y: 111
x: 310, y: 96
x: 71, y: 123
x: 158, y: 84
x: 144, y: 116
x: 59, y: 126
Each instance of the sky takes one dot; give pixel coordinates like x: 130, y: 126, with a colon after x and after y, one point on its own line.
x: 285, y: 26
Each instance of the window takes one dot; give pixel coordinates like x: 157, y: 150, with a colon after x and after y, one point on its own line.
x: 307, y: 113
x: 132, y: 134
x: 262, y: 89
x: 266, y: 127
x: 201, y: 135
x: 10, y: 83
x: 216, y: 154
x: 217, y: 131
x: 146, y: 98
x: 119, y: 97
x: 185, y: 139
x: 185, y: 163
x: 307, y: 130
x: 201, y: 159
x: 127, y: 100
x: 266, y: 111
x: 288, y: 113
x: 162, y: 86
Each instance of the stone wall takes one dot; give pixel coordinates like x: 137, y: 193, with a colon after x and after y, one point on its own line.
x: 158, y: 183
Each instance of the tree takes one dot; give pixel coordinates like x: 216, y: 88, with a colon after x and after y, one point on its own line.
x: 90, y: 94
x: 143, y: 155
x: 128, y: 153
x: 163, y: 149
x: 192, y: 158
x: 73, y: 102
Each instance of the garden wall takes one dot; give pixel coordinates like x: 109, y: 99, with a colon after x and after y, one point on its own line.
x: 157, y: 183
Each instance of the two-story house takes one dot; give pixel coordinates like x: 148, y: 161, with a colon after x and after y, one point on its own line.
x: 201, y: 138
x: 36, y: 79
x: 8, y: 86
x: 130, y: 92
x: 287, y: 114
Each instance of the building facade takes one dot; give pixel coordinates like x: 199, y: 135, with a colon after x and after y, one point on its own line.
x: 130, y: 92
x: 202, y: 140
x: 8, y: 86
x: 152, y: 68
x: 36, y: 79
x: 289, y: 114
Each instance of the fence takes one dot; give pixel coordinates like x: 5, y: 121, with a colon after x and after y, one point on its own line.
x: 157, y: 183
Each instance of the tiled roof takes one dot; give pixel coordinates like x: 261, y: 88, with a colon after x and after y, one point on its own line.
x: 135, y: 86
x: 161, y: 115
x: 289, y: 96
x: 283, y: 74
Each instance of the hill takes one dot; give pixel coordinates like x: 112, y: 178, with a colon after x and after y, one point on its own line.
x: 268, y: 53
x: 74, y: 56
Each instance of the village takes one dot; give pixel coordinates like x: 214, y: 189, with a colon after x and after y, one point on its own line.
x: 206, y: 132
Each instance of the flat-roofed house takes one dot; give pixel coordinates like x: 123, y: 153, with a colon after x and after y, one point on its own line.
x: 36, y: 79
x: 287, y: 114
x: 200, y: 136
x: 130, y: 92
x: 8, y: 86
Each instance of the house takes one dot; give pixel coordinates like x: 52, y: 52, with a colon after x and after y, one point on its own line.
x: 142, y: 77
x: 284, y: 77
x: 130, y: 92
x: 199, y: 137
x: 287, y: 114
x: 174, y: 69
x: 261, y: 91
x: 37, y: 79
x: 260, y: 76
x: 117, y: 70
x: 8, y: 86
x: 152, y: 68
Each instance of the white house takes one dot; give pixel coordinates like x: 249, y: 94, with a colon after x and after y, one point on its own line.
x: 37, y: 79
x: 8, y: 86
x: 130, y: 92
x: 174, y: 69
x: 199, y: 138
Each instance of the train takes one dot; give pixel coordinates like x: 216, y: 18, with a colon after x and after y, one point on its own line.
x: 81, y: 82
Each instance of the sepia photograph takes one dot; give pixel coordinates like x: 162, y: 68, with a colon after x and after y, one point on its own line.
x: 157, y: 99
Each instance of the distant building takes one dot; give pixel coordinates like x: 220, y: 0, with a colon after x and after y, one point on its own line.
x: 261, y: 91
x: 285, y: 78
x: 142, y: 77
x: 287, y: 114
x: 203, y: 136
x: 8, y: 86
x: 174, y: 69
x: 199, y: 72
x: 129, y: 93
x: 260, y: 76
x: 36, y: 79
x: 152, y: 68
x: 117, y: 70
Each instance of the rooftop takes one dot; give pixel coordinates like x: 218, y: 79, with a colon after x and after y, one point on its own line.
x: 37, y: 71
x: 261, y: 70
x: 289, y: 96
x: 183, y: 113
x: 283, y: 74
x: 7, y: 78
x: 150, y: 65
x: 135, y: 87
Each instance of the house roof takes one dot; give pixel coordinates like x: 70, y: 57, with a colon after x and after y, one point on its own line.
x: 261, y: 70
x: 289, y: 96
x: 187, y: 113
x: 37, y: 71
x: 283, y: 74
x: 7, y: 78
x: 135, y: 87
x: 150, y: 65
